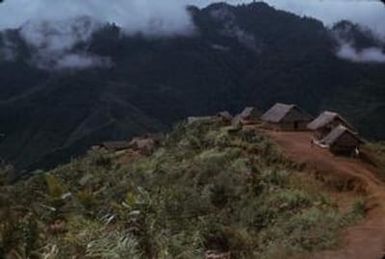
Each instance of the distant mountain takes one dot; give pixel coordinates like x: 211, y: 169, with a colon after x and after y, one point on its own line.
x: 358, y: 36
x: 240, y: 55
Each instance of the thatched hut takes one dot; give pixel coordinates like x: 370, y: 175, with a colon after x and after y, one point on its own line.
x: 326, y: 122
x: 287, y: 117
x: 194, y: 119
x: 236, y: 122
x: 145, y: 145
x: 225, y: 116
x: 250, y: 115
x: 115, y: 145
x: 342, y: 140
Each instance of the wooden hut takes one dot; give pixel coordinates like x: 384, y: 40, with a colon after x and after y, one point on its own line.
x: 236, y: 122
x: 250, y: 115
x: 326, y: 122
x: 225, y: 116
x: 342, y: 140
x: 287, y: 117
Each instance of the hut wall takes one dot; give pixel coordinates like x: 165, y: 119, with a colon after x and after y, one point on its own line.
x: 295, y: 120
x: 293, y: 125
x: 296, y: 115
x: 286, y: 126
x: 302, y: 125
x: 345, y: 145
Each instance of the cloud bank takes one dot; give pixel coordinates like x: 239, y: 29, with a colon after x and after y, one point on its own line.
x: 347, y: 34
x: 53, y: 29
x: 147, y: 16
x: 368, y: 55
x: 53, y: 43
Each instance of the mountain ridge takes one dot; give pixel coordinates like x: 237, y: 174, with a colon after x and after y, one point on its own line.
x: 258, y: 57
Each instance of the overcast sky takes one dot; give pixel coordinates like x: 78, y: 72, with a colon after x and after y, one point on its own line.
x: 370, y: 13
x: 136, y: 13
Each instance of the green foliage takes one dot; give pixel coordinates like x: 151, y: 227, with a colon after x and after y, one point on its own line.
x: 203, y: 189
x: 87, y: 199
x: 358, y: 209
x: 55, y: 187
x: 113, y: 246
x: 19, y: 235
x: 375, y: 153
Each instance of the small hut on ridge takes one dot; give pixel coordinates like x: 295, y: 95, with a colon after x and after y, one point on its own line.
x: 288, y: 117
x: 326, y: 122
x: 250, y: 115
x: 342, y: 140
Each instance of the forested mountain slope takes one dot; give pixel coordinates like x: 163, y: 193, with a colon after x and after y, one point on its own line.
x: 238, y: 56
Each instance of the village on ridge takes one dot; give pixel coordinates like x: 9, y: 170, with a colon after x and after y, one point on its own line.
x: 329, y: 130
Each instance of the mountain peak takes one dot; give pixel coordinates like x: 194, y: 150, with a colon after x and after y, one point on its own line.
x: 359, y: 37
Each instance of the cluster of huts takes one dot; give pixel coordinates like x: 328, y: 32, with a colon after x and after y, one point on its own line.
x: 330, y: 129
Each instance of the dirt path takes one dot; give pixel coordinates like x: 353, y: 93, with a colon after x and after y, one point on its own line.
x: 367, y: 239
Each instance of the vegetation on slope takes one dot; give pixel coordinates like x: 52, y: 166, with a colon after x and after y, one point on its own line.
x: 375, y: 153
x: 206, y: 188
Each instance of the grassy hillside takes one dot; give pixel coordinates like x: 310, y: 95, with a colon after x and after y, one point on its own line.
x: 205, y: 188
x: 376, y: 155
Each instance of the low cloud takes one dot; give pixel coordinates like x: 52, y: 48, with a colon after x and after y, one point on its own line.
x: 149, y: 17
x: 54, y: 44
x: 57, y: 32
x: 358, y: 44
x: 231, y: 29
x: 368, y: 55
x: 81, y: 61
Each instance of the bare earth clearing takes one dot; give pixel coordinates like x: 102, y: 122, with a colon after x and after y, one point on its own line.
x: 366, y: 240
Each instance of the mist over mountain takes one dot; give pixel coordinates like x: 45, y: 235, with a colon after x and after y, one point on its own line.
x: 71, y: 84
x: 148, y: 16
x: 358, y: 44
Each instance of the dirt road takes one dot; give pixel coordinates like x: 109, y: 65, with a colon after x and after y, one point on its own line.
x: 367, y: 239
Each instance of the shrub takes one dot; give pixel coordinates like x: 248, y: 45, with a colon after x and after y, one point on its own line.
x: 55, y: 187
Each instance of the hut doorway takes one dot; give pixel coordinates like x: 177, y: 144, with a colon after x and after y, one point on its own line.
x: 296, y: 125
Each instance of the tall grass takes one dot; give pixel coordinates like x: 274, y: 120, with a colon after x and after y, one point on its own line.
x: 205, y: 189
